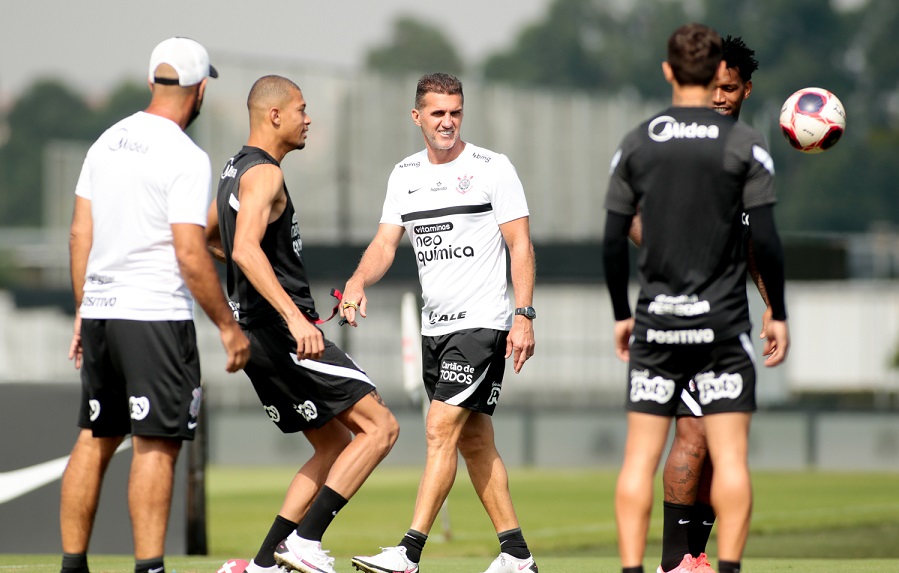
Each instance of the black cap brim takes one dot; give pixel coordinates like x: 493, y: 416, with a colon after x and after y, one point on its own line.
x: 213, y: 73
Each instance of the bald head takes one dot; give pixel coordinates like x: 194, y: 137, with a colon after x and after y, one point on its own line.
x: 278, y: 118
x: 269, y: 92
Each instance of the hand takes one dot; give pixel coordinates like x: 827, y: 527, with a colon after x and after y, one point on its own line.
x: 237, y: 346
x: 520, y: 342
x: 354, y: 301
x: 777, y: 342
x: 76, y: 352
x: 766, y: 318
x: 623, y: 331
x: 310, y: 342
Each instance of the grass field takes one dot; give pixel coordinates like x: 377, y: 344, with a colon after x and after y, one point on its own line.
x: 803, y: 522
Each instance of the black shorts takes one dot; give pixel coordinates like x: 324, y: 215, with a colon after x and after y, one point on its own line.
x: 140, y: 377
x: 302, y: 394
x: 689, y: 405
x: 723, y: 373
x: 465, y: 368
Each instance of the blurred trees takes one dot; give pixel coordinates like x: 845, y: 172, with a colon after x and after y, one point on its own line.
x: 612, y: 48
x: 617, y: 47
x: 416, y: 47
x: 50, y: 110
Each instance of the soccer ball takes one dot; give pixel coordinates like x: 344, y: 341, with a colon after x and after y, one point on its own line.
x: 234, y: 566
x: 812, y: 120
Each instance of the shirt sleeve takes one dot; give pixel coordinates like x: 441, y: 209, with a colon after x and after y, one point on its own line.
x: 620, y: 197
x: 753, y: 157
x: 188, y: 194
x: 509, y: 202
x: 390, y: 213
x: 83, y: 187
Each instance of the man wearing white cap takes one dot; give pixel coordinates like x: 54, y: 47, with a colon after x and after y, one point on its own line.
x: 138, y: 253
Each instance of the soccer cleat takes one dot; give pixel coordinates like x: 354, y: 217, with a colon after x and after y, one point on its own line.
x: 390, y: 560
x: 303, y: 555
x: 687, y: 565
x: 505, y: 563
x: 701, y: 564
x: 253, y: 568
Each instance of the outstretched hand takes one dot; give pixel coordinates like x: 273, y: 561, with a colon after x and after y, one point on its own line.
x: 353, y: 302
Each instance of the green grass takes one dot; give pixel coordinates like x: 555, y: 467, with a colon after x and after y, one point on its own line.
x: 803, y: 522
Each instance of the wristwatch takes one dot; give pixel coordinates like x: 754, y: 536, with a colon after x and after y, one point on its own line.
x: 527, y: 312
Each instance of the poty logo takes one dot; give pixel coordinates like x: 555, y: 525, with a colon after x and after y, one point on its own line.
x: 725, y: 386
x: 140, y: 407
x: 655, y: 389
x: 665, y: 128
x: 484, y: 158
x: 272, y: 413
x: 307, y: 410
x: 451, y: 371
x: 411, y: 164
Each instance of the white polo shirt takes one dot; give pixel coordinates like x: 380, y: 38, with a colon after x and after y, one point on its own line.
x: 141, y: 176
x: 452, y: 213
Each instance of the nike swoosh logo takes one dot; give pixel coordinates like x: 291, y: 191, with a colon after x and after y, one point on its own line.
x: 16, y: 483
x: 411, y: 191
x: 156, y: 570
x: 708, y: 523
x: 191, y: 425
x: 683, y: 521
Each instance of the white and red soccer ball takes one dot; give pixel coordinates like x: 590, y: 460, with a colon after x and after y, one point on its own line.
x: 812, y: 120
x: 233, y: 566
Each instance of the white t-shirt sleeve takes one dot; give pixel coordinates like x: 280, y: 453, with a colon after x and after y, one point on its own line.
x: 391, y: 210
x: 83, y: 187
x: 188, y: 199
x: 509, y: 202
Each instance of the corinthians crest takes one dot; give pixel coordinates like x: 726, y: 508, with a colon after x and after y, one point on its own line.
x: 464, y: 184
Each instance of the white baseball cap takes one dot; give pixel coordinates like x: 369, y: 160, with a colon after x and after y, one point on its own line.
x: 188, y: 57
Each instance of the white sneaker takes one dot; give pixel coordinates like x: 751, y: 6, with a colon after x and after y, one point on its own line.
x: 303, y: 555
x: 390, y: 560
x: 505, y: 563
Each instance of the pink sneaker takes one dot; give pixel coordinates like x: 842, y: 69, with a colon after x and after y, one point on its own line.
x: 701, y: 564
x: 687, y: 565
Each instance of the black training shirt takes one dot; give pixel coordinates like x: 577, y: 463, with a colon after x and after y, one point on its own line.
x: 692, y: 172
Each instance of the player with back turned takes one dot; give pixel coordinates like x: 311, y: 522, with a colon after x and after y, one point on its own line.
x: 691, y: 168
x: 686, y: 477
x: 139, y: 260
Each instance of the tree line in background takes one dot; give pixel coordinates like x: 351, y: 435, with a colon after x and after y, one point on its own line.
x: 612, y: 48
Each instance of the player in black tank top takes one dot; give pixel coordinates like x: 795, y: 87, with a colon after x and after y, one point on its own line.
x: 304, y: 382
x: 281, y: 244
